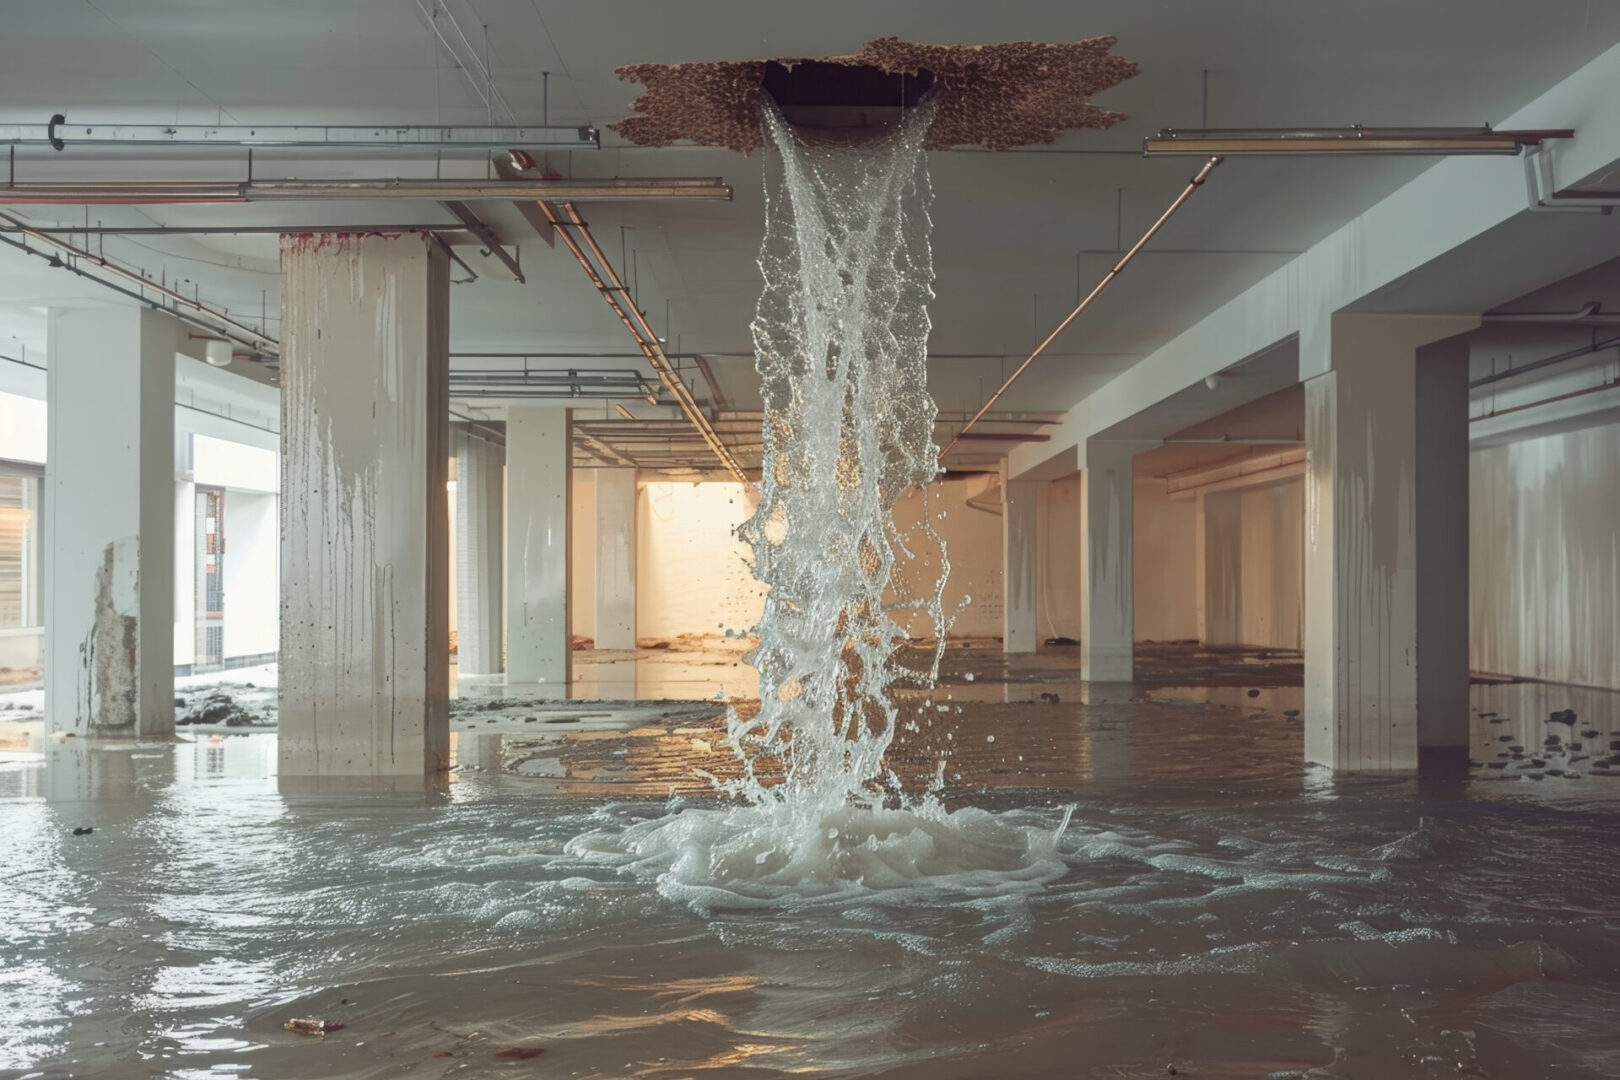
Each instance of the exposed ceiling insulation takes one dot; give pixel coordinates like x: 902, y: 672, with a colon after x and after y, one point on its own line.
x: 996, y: 96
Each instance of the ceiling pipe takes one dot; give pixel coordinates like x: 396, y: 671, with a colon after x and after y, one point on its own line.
x: 1591, y: 312
x: 234, y: 230
x: 1250, y: 465
x: 58, y: 135
x: 207, y: 192
x: 206, y: 317
x: 1356, y: 139
x: 1535, y: 365
x: 1193, y: 185
x: 567, y: 223
x: 1228, y: 440
x: 1608, y: 384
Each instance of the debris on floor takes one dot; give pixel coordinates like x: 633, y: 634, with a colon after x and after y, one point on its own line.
x: 218, y: 709
x: 304, y: 1025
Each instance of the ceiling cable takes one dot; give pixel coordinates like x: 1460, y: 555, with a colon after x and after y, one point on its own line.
x: 1186, y: 193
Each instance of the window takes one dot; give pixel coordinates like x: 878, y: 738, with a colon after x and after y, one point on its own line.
x: 20, y: 579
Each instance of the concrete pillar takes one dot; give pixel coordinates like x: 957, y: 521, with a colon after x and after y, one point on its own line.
x: 615, y: 558
x: 109, y: 521
x: 539, y: 631
x: 364, y: 516
x: 1108, y: 539
x: 1020, y: 520
x: 480, y: 548
x: 1386, y: 543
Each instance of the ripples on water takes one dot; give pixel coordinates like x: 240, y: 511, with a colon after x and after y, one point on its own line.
x: 1363, y: 927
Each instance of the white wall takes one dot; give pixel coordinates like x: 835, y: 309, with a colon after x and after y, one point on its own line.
x: 225, y: 463
x: 252, y: 574
x: 22, y: 428
x: 973, y: 546
x: 185, y: 573
x: 1254, y: 547
x: 1165, y: 576
x: 692, y: 575
x: 1273, y: 523
x: 1060, y: 580
x: 249, y: 471
x: 582, y: 535
x: 1544, y: 570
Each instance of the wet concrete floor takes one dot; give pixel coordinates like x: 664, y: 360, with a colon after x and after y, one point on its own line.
x: 1213, y: 905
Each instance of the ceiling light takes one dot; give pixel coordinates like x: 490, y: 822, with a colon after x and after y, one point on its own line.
x: 218, y: 352
x: 1351, y: 140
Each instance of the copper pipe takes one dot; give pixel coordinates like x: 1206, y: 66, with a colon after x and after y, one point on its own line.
x: 1186, y: 193
x: 566, y: 222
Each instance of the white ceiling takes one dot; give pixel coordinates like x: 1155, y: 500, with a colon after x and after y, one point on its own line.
x: 1009, y: 227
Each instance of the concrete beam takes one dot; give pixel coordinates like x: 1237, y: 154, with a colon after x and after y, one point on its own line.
x: 1397, y: 256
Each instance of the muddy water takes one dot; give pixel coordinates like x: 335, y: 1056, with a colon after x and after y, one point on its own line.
x: 1212, y: 905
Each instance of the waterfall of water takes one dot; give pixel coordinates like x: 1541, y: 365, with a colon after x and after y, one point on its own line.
x: 841, y: 344
x: 841, y: 338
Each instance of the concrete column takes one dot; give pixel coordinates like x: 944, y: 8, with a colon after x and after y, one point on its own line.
x: 1108, y: 539
x: 109, y: 521
x: 1386, y: 543
x: 480, y: 542
x: 615, y: 558
x: 539, y: 631
x: 1020, y: 519
x: 364, y: 516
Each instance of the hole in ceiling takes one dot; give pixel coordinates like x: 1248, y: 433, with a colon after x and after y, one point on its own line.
x: 819, y: 96
x: 1016, y: 93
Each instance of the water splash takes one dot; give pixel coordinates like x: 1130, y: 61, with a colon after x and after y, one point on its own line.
x: 841, y: 339
x: 841, y: 336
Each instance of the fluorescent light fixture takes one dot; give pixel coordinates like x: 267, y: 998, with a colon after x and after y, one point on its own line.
x: 1351, y: 140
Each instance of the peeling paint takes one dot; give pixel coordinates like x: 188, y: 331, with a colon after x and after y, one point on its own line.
x: 110, y: 654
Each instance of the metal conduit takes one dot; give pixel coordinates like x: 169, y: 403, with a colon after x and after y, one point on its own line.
x: 1573, y: 354
x: 565, y: 219
x: 207, y: 317
x: 1186, y: 193
x: 207, y: 192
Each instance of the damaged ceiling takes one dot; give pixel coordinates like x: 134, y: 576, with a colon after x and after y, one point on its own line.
x: 1019, y: 93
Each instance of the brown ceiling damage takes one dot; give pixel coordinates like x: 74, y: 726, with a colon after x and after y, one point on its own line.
x: 996, y: 96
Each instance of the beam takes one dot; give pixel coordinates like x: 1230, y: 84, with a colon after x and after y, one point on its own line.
x: 475, y: 225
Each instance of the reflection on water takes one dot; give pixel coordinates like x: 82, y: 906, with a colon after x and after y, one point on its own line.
x: 1211, y: 904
